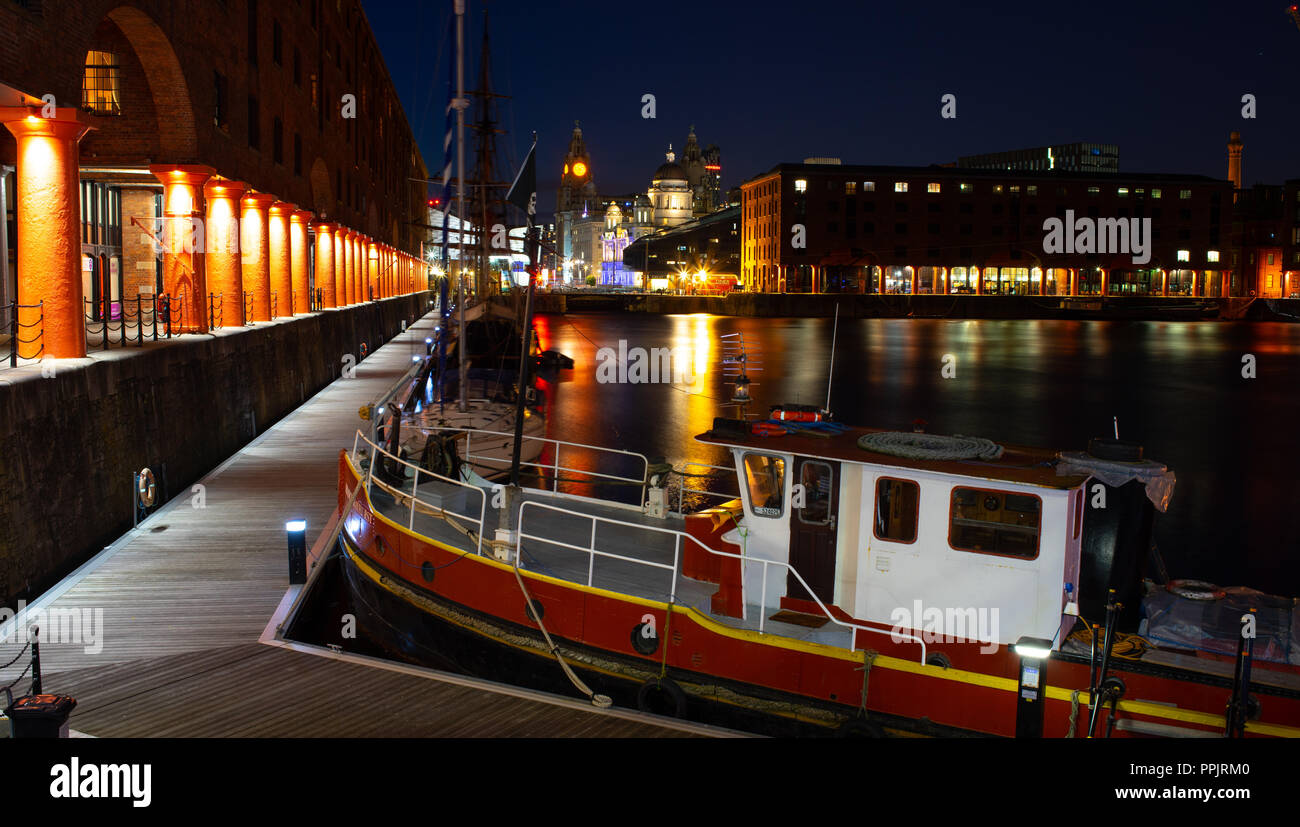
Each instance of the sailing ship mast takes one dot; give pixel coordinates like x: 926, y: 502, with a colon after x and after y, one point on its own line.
x: 488, y: 192
x: 460, y: 201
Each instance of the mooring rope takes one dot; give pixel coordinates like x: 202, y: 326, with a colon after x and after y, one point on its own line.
x: 929, y: 446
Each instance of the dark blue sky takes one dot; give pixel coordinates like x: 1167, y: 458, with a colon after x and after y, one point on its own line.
x: 862, y: 81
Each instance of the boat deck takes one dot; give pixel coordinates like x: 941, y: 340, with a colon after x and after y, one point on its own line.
x: 187, y: 602
x: 635, y: 552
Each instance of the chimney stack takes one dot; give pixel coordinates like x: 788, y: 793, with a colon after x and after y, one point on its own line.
x: 1234, y: 162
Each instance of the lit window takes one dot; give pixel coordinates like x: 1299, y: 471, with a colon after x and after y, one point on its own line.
x: 1184, y: 194
x: 1122, y: 192
x: 1155, y: 193
x: 99, y: 84
x: 1212, y: 255
x: 1094, y: 190
x: 900, y: 186
x: 800, y: 185
x: 997, y: 189
x: 995, y: 522
x: 966, y: 187
x: 765, y: 478
x: 850, y: 187
x: 1032, y: 189
x: 1138, y: 191
x: 932, y: 187
x: 1184, y: 255
x: 1015, y: 189
x: 896, y: 510
x: 868, y: 186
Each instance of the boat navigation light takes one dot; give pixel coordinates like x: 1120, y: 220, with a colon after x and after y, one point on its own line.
x: 415, y: 358
x: 1035, y: 648
x: 296, y: 525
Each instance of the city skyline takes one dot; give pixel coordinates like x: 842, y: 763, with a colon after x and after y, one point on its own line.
x: 1167, y: 91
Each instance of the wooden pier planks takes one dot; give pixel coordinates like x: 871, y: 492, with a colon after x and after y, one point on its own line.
x: 185, y: 597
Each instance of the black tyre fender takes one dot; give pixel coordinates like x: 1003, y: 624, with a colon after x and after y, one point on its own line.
x: 860, y: 728
x: 655, y: 692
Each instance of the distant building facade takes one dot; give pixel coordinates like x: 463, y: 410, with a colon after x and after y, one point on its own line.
x: 1077, y: 157
x: 893, y: 229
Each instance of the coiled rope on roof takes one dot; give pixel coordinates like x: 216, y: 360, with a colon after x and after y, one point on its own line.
x: 930, y: 446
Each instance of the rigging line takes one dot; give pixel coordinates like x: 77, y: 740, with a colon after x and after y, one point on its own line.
x: 428, y: 104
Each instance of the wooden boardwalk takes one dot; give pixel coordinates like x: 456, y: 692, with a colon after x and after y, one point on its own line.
x: 186, y: 595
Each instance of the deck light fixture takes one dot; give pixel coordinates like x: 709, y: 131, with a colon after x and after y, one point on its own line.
x: 1034, y: 654
x: 297, y: 532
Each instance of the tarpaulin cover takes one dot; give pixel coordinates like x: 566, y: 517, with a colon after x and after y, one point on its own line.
x: 1157, y: 478
x: 1215, y: 625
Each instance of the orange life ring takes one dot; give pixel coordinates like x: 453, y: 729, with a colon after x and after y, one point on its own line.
x: 768, y: 429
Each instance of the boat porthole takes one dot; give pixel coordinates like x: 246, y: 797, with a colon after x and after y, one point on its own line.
x: 644, y: 640
x: 528, y: 610
x: 938, y: 659
x: 661, y: 696
x: 426, y: 571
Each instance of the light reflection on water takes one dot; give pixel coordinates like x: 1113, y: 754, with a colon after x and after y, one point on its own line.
x: 1176, y: 387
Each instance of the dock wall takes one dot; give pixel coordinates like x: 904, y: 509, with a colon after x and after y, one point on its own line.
x: 70, y: 442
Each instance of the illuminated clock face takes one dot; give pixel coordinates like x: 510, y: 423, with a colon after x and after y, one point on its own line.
x: 580, y: 169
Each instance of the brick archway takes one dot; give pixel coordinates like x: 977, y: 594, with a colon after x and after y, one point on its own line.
x: 177, y: 135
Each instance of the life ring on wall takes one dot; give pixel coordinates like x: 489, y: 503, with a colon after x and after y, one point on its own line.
x: 658, y: 694
x: 145, y: 488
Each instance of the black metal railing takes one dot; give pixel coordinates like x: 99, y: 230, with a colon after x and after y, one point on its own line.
x: 21, y: 333
x: 216, y: 310
x: 124, y: 323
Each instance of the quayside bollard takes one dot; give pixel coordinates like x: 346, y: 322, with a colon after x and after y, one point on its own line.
x: 37, y: 715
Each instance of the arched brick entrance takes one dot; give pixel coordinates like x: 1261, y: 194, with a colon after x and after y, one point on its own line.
x: 177, y: 136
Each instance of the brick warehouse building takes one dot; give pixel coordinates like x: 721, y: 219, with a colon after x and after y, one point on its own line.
x: 894, y: 229
x: 220, y: 120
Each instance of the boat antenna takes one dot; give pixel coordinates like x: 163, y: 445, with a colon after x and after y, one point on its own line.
x: 1117, y: 427
x: 830, y: 369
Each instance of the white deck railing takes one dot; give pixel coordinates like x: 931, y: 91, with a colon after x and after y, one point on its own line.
x: 369, y: 481
x: 680, y: 537
x: 554, y: 465
x: 721, y: 495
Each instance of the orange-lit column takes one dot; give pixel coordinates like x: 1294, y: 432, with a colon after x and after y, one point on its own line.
x: 325, y: 262
x: 182, y: 242
x: 224, y: 269
x: 281, y: 260
x: 385, y: 277
x: 349, y: 268
x: 256, y: 241
x: 358, y: 271
x: 340, y: 267
x: 298, y: 270
x: 49, y: 233
x: 372, y: 261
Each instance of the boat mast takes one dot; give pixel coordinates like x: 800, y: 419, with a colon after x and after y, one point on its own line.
x: 460, y: 202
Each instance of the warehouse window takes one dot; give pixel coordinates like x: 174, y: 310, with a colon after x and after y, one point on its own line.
x: 99, y: 84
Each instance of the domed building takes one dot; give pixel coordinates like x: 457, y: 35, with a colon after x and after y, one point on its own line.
x: 670, y: 194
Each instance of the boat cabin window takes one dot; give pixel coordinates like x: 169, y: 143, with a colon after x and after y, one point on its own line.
x: 765, y: 477
x: 896, y: 509
x: 816, y: 481
x: 995, y: 522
